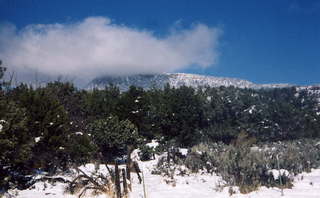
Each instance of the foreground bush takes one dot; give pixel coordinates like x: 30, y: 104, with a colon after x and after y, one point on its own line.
x: 249, y: 165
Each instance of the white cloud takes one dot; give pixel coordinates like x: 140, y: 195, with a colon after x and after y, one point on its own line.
x: 96, y: 46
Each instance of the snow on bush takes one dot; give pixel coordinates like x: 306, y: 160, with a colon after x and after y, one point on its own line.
x: 247, y: 165
x: 277, y: 173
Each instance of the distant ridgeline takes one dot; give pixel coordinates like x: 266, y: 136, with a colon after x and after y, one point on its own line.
x: 158, y: 81
x: 147, y: 81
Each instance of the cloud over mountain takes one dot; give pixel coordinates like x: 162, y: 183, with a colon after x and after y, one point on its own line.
x: 96, y: 46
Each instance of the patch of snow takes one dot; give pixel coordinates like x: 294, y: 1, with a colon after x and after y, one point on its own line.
x: 37, y: 139
x: 250, y: 109
x: 276, y: 173
x: 2, y: 122
x: 204, y: 185
x: 183, y: 151
x: 153, y: 144
x: 135, y: 155
x: 254, y: 148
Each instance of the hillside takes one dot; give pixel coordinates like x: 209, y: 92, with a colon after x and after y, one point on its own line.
x: 148, y: 81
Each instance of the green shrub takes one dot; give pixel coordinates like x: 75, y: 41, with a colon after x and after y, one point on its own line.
x: 244, y: 168
x: 146, y: 153
x: 195, y: 162
x: 15, y: 146
x: 112, y: 136
x: 247, y: 164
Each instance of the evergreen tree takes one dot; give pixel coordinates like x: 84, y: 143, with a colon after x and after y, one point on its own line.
x: 99, y: 104
x: 2, y: 71
x: 15, y: 143
x: 134, y: 105
x: 72, y: 100
x: 48, y: 123
x: 178, y: 114
x: 112, y: 136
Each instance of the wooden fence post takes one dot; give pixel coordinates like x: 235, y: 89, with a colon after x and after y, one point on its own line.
x: 128, y: 166
x: 137, y: 169
x: 125, y: 186
x: 280, y: 176
x: 117, y: 180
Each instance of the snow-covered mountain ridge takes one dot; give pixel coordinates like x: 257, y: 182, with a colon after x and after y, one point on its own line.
x: 148, y: 81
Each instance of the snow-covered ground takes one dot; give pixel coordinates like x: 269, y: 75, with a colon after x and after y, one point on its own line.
x: 306, y: 185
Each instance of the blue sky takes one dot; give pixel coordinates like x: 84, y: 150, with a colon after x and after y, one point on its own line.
x: 274, y: 41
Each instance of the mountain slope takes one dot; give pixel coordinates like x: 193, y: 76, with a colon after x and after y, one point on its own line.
x: 148, y: 81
